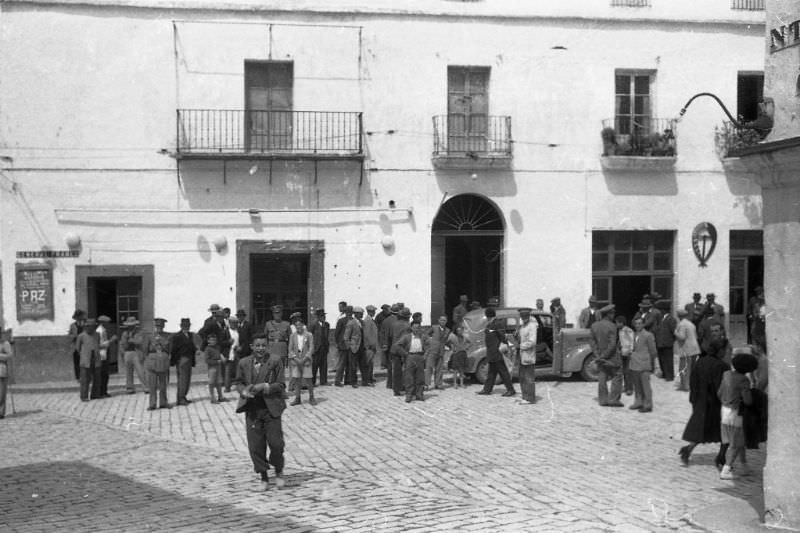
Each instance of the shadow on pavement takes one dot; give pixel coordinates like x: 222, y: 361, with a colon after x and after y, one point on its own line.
x: 21, y: 414
x: 75, y: 496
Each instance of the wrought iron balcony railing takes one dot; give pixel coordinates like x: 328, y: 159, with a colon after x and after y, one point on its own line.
x: 630, y: 3
x: 641, y: 136
x: 247, y: 132
x: 731, y: 138
x: 748, y: 5
x: 472, y: 135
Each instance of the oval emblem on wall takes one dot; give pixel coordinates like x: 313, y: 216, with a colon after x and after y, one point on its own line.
x: 704, y: 240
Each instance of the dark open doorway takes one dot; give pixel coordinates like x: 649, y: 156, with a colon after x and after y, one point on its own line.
x: 466, y: 253
x: 279, y: 279
x: 627, y: 292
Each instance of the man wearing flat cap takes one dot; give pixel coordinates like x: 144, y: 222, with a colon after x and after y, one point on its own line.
x: 609, y: 362
x: 399, y: 329
x: 370, y: 328
x: 277, y: 331
x: 156, y: 363
x: 183, y: 351
x: 320, y: 330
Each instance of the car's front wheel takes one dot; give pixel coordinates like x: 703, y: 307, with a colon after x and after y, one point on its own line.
x: 589, y: 369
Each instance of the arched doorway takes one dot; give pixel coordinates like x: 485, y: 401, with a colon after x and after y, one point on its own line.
x: 466, y: 253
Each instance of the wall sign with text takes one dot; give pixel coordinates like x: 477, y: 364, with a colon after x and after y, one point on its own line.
x: 34, y: 292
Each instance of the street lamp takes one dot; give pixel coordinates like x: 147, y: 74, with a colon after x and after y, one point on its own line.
x: 714, y: 96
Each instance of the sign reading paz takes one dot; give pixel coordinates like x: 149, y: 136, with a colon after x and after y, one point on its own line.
x: 34, y: 292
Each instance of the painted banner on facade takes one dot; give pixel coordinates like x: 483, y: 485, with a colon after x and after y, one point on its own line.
x: 34, y: 292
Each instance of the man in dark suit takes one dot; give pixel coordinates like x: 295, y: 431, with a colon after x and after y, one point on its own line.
x: 321, y: 331
x: 261, y: 384
x: 182, y: 351
x: 493, y: 338
x: 609, y: 362
x: 246, y: 331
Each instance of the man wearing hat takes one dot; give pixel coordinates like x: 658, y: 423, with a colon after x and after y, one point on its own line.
x: 245, y: 335
x: 460, y: 310
x: 588, y: 315
x: 385, y: 339
x: 664, y: 334
x: 132, y: 346
x: 89, y: 352
x: 320, y: 330
x: 609, y: 362
x: 343, y: 363
x: 370, y: 328
x: 526, y: 337
x: 559, y: 315
x: 75, y: 329
x: 156, y: 364
x: 217, y: 324
x: 104, y: 343
x: 439, y: 336
x: 183, y: 350
x: 354, y: 339
x: 386, y: 311
x: 277, y: 331
x: 711, y: 303
x: 399, y: 328
x: 651, y: 317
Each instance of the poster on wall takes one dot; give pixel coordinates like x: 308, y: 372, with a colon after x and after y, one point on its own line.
x: 34, y: 292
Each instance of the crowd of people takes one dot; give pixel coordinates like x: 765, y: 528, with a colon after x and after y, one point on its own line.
x: 727, y: 387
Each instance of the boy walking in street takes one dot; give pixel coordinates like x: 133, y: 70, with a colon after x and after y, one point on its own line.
x: 261, y: 383
x: 214, y: 362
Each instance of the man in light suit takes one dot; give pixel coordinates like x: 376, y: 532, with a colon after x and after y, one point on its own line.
x: 643, y: 359
x: 261, y: 383
x: 301, y: 346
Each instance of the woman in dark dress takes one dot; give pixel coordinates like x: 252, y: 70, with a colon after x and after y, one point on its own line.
x: 704, y: 424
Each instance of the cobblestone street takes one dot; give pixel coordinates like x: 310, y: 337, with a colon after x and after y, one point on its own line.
x: 361, y: 460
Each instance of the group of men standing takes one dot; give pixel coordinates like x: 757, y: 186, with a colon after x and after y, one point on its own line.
x: 628, y: 356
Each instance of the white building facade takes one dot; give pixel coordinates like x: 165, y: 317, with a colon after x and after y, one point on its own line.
x: 161, y: 156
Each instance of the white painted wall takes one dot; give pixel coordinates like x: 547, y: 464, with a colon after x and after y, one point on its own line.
x: 93, y: 92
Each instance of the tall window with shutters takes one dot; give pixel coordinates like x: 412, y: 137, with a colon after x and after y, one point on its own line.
x: 467, y: 108
x: 268, y: 103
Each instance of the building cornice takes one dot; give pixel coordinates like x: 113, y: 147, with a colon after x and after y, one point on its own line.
x: 493, y: 11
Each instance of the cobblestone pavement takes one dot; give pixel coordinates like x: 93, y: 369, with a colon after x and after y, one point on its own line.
x: 361, y: 460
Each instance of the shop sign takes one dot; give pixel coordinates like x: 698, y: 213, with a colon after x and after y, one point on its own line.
x: 33, y: 254
x: 704, y: 240
x: 34, y: 292
x: 784, y: 36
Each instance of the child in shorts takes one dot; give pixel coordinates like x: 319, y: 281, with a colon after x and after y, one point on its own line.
x: 214, y: 362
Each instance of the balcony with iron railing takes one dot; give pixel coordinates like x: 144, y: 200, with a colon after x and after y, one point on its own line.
x: 472, y: 141
x: 731, y: 138
x: 254, y: 134
x: 640, y: 143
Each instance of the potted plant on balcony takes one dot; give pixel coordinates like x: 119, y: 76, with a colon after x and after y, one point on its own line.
x: 609, y: 136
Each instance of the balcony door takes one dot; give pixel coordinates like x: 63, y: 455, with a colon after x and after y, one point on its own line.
x: 467, y: 109
x: 268, y: 95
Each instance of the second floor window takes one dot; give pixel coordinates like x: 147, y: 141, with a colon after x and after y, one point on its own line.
x: 632, y: 109
x: 467, y: 108
x: 268, y: 93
